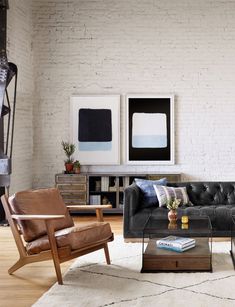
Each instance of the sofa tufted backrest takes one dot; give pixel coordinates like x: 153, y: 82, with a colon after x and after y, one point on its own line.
x: 209, y: 193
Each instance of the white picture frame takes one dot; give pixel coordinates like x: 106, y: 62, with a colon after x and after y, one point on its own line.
x: 150, y: 129
x: 95, y: 129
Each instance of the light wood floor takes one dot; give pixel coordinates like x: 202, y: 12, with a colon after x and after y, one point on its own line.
x: 26, y: 285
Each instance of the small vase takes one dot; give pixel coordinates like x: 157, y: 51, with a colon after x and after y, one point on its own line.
x: 76, y: 170
x: 172, y: 215
x: 172, y: 225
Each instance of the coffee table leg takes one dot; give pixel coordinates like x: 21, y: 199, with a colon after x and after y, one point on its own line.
x: 99, y: 215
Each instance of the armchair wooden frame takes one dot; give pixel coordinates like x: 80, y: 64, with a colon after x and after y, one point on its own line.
x: 58, y: 255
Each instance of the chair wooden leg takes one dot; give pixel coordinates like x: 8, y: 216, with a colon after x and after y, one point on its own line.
x: 58, y: 271
x: 99, y: 215
x: 16, y: 266
x: 54, y: 252
x: 106, y: 251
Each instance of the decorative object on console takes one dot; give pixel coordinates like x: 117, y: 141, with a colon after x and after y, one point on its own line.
x: 95, y: 129
x: 167, y: 194
x: 150, y: 129
x: 69, y: 150
x: 76, y: 167
x: 146, y: 186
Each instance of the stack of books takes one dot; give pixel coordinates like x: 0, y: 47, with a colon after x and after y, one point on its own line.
x: 104, y: 183
x: 177, y: 244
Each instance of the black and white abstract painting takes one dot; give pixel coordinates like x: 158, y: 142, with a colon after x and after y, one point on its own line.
x: 95, y: 129
x: 150, y: 129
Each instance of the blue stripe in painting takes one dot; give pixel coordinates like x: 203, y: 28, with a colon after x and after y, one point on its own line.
x: 149, y: 141
x: 95, y: 146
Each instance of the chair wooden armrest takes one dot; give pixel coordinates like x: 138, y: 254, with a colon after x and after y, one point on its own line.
x: 98, y: 209
x: 36, y: 217
x: 88, y: 207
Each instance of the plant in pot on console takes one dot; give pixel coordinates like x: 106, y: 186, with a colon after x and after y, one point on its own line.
x: 76, y: 167
x: 172, y: 206
x: 69, y: 150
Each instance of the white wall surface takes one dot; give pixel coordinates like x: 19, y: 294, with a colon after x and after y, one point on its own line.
x: 184, y: 47
x: 19, y: 37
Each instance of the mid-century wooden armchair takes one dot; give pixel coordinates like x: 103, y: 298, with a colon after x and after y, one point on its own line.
x: 43, y: 229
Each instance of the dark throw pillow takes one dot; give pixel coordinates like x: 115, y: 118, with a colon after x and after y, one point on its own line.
x: 149, y: 195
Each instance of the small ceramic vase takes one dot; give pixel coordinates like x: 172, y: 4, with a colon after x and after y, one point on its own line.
x: 172, y: 225
x: 172, y: 215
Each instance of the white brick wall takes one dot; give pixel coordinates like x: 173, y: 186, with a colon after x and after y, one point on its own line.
x: 20, y: 52
x: 184, y: 47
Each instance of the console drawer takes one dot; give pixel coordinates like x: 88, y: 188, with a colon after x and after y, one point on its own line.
x: 174, y: 264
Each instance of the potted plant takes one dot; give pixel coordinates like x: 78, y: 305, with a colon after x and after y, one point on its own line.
x: 76, y: 167
x: 69, y: 150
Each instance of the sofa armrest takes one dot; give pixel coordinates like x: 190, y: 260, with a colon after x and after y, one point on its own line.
x: 131, y: 199
x: 131, y: 204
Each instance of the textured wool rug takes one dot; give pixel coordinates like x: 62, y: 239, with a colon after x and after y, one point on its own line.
x: 90, y: 282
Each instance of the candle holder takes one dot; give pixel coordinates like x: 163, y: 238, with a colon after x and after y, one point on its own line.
x: 184, y: 219
x: 184, y: 226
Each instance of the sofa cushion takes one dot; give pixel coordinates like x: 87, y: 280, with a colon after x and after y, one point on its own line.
x: 223, y: 215
x: 167, y: 194
x: 149, y: 195
x: 75, y: 237
x: 39, y: 202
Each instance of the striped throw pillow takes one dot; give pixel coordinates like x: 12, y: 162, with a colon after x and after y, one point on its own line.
x: 167, y: 194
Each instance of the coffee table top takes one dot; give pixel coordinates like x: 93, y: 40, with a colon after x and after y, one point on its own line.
x: 197, y: 226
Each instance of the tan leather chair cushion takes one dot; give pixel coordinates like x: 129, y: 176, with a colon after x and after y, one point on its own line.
x: 76, y: 237
x: 43, y: 201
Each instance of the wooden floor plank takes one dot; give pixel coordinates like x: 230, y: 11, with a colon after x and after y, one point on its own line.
x: 26, y: 285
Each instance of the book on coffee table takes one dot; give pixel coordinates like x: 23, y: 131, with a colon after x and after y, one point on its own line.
x: 176, y: 243
x: 176, y: 249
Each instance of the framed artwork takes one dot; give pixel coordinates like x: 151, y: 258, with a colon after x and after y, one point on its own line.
x: 150, y: 129
x: 95, y: 129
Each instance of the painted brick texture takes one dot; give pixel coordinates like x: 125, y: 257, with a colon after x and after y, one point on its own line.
x: 19, y: 34
x: 184, y: 47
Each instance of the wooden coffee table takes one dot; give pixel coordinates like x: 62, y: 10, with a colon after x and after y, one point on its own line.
x: 199, y: 258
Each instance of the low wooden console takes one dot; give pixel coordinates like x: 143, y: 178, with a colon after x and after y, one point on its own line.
x: 102, y: 188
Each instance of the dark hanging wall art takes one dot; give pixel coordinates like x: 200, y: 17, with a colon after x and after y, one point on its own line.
x: 150, y: 129
x: 95, y: 129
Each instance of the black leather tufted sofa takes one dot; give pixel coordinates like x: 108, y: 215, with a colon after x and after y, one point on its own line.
x: 215, y: 199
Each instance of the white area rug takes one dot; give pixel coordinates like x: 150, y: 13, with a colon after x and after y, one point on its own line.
x: 90, y: 282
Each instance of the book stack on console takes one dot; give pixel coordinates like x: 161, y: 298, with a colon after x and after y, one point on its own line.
x: 177, y: 244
